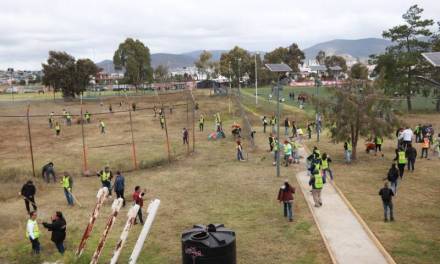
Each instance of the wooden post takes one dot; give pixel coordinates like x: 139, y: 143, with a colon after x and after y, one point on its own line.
x: 194, y: 125
x: 166, y: 135
x: 132, y: 139
x: 30, y: 139
x: 83, y: 139
x: 187, y: 122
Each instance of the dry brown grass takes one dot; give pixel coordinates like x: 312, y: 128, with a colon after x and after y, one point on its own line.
x: 415, y: 235
x: 209, y: 186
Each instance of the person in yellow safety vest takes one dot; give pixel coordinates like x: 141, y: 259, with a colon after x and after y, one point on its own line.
x: 67, y: 183
x: 162, y: 121
x: 325, y: 166
x: 295, y: 154
x: 57, y: 128
x: 436, y: 145
x: 106, y: 177
x: 401, y: 160
x: 378, y: 141
x: 69, y: 119
x: 317, y: 184
x: 275, y: 148
x: 287, y: 152
x: 425, y: 146
x: 201, y: 122
x: 33, y: 232
x: 348, y: 149
x: 273, y: 122
x: 314, y: 160
x: 102, y: 126
x: 87, y: 116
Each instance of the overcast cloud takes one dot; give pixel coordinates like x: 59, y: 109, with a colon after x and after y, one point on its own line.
x: 93, y: 29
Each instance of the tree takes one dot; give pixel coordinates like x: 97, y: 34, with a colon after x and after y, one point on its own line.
x: 359, y: 71
x: 357, y: 110
x: 320, y: 57
x: 236, y: 63
x: 59, y: 73
x: 291, y: 55
x: 85, y: 70
x: 334, y: 60
x: 161, y: 73
x: 134, y: 57
x: 409, y: 44
x: 204, y: 63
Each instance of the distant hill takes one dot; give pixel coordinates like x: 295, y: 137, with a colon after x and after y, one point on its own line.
x: 357, y: 48
x: 107, y: 66
x: 215, y: 54
x: 172, y: 61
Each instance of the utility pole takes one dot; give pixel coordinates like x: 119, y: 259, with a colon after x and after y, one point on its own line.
x: 30, y: 140
x: 239, y: 77
x: 256, y: 79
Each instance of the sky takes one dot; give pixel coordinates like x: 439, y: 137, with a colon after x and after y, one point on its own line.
x: 94, y: 28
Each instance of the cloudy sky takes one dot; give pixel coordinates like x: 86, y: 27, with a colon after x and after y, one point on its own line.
x: 93, y: 29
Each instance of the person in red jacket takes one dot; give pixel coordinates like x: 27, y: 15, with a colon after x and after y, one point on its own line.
x: 138, y: 198
x: 285, y: 195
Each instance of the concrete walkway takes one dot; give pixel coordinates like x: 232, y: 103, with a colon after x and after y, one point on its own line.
x: 345, y: 236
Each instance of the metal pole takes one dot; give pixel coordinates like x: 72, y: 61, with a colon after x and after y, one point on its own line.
x: 194, y: 123
x: 132, y: 139
x: 239, y: 73
x: 83, y: 139
x: 187, y: 122
x: 278, y: 126
x: 30, y: 140
x: 256, y: 80
x: 166, y: 135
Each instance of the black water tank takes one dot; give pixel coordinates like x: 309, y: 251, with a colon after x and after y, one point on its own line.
x: 212, y: 244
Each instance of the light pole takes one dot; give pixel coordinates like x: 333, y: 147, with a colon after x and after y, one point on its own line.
x: 11, y: 71
x: 256, y: 79
x: 280, y: 69
x: 239, y: 77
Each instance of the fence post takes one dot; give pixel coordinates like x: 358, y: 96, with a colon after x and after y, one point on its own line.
x: 166, y: 135
x: 30, y: 139
x: 83, y: 139
x: 132, y: 139
x: 194, y: 125
x: 187, y: 121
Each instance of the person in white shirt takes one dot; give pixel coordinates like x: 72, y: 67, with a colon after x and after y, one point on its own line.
x: 407, y: 135
x: 33, y: 232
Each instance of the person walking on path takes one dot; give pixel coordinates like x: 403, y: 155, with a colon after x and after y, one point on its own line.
x: 138, y: 198
x: 325, y: 166
x: 393, y: 177
x: 51, y: 119
x: 411, y: 154
x: 110, y: 108
x: 378, y: 141
x: 317, y: 184
x: 406, y: 135
x: 293, y: 129
x: 58, y: 229
x: 285, y: 195
x: 264, y: 124
x: 87, y: 115
x: 67, y: 183
x: 120, y: 186
x: 48, y: 171
x: 309, y: 129
x: 401, y: 161
x: 239, y: 151
x: 276, y: 149
x: 286, y: 126
x: 387, y: 200
x: 348, y: 149
x: 57, y: 129
x: 273, y: 122
x: 201, y: 123
x: 102, y: 126
x: 69, y: 118
x: 271, y: 140
x: 287, y: 152
x: 33, y: 232
x: 425, y: 146
x: 185, y: 136
x: 106, y: 177
x: 162, y: 121
x: 295, y: 152
x: 28, y: 192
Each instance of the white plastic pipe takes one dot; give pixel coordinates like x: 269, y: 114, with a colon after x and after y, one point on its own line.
x: 116, y: 206
x: 132, y: 213
x: 152, y: 210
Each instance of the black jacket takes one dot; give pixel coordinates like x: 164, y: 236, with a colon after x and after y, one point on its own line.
x: 386, y: 194
x: 58, y: 228
x: 411, y: 153
x: 393, y: 175
x: 49, y: 169
x: 28, y: 190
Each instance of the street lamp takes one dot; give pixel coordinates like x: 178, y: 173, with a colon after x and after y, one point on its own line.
x: 281, y: 69
x: 256, y: 78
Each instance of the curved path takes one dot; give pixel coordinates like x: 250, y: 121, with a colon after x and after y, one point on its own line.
x: 346, y: 236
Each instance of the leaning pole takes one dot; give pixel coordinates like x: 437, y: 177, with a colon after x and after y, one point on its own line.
x: 132, y: 213
x: 101, y: 196
x: 116, y: 206
x: 152, y: 210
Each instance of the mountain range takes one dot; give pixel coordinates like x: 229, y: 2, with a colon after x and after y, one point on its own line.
x: 357, y: 48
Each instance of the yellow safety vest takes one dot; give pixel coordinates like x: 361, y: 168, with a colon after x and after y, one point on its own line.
x: 36, y: 231
x: 105, y: 176
x: 201, y: 120
x: 379, y: 141
x: 275, y: 145
x: 65, y: 182
x: 287, y: 149
x: 319, y: 183
x: 317, y: 166
x: 349, y: 147
x: 57, y: 127
x: 102, y: 124
x: 402, y: 158
x: 324, y: 164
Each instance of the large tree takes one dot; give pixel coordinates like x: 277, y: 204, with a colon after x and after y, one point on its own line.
x: 359, y: 71
x: 236, y: 63
x: 409, y: 42
x: 204, y: 63
x: 357, y: 110
x: 291, y: 55
x: 334, y: 60
x: 161, y: 73
x: 320, y: 57
x: 134, y: 57
x: 86, y: 69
